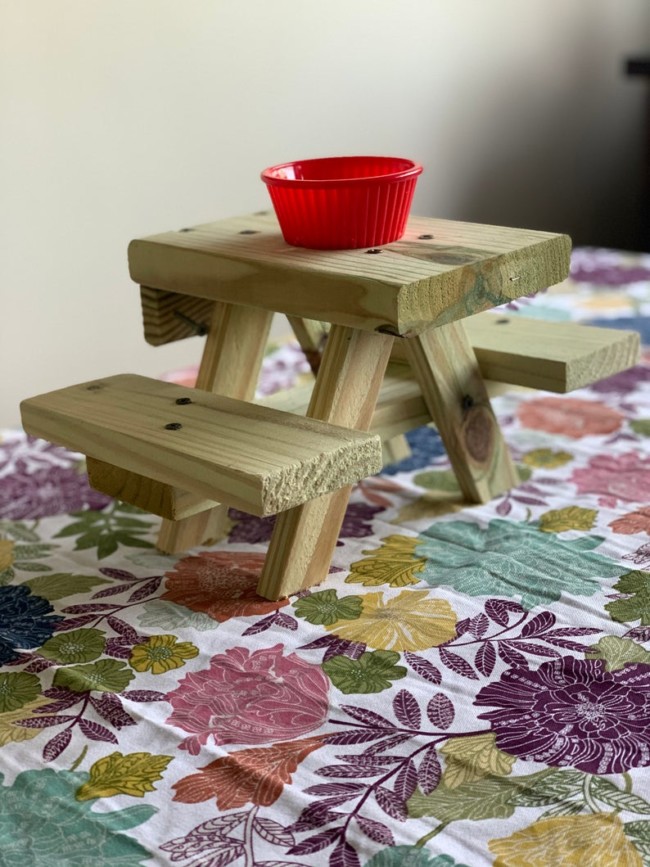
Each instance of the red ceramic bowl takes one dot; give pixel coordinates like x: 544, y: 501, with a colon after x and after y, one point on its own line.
x: 340, y: 203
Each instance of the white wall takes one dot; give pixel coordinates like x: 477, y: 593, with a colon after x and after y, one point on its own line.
x: 122, y: 118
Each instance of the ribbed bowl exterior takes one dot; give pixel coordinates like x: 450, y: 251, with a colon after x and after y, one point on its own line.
x: 348, y: 216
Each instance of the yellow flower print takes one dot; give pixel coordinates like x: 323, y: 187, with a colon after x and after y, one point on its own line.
x: 161, y: 653
x: 411, y: 621
x: 573, y: 841
x: 547, y: 458
x: 6, y: 554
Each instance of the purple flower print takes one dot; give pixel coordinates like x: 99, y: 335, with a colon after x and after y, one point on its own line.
x: 573, y: 712
x: 252, y: 530
x: 51, y: 491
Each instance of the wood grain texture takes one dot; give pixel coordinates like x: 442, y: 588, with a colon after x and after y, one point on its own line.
x: 463, y: 269
x: 345, y: 393
x: 554, y: 356
x: 168, y: 316
x: 159, y: 498
x: 256, y: 459
x: 445, y: 366
x: 230, y: 365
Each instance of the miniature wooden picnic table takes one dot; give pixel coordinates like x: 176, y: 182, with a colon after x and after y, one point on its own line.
x: 228, y: 278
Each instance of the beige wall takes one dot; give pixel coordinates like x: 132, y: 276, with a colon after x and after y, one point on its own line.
x: 121, y: 118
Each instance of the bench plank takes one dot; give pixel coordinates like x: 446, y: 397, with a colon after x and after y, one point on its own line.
x: 257, y: 459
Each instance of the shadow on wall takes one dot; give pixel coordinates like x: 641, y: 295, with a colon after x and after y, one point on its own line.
x: 575, y: 160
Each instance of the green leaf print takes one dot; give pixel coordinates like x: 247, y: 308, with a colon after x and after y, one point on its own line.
x: 63, y: 584
x: 106, y: 530
x: 637, y: 605
x: 618, y: 652
x: 512, y: 559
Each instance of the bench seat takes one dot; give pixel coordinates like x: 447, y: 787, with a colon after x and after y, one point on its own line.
x: 156, y: 438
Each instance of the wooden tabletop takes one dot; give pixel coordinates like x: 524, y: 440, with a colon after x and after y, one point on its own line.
x: 440, y: 271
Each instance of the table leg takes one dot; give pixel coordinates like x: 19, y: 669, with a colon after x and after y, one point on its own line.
x: 345, y: 393
x: 444, y: 363
x: 230, y: 365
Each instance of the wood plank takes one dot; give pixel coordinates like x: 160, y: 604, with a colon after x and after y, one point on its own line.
x: 554, y: 356
x: 438, y: 272
x: 168, y: 316
x: 159, y: 498
x: 230, y: 365
x: 345, y: 393
x: 256, y: 459
x: 445, y: 366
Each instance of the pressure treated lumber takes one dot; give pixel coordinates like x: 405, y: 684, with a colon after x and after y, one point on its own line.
x: 256, y: 459
x: 452, y: 387
x: 345, y: 393
x: 554, y: 356
x: 230, y: 365
x: 440, y: 271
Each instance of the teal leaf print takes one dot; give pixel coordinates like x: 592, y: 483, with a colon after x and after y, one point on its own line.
x: 512, y: 559
x: 41, y: 820
x: 410, y: 856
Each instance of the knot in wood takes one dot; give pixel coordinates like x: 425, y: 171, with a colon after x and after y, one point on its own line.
x: 478, y: 434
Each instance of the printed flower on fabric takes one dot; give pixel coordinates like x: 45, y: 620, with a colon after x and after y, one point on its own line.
x: 24, y: 454
x: 425, y: 444
x: 569, y: 416
x: 624, y: 382
x: 221, y: 584
x: 324, y: 607
x: 26, y: 621
x: 633, y: 522
x: 546, y: 458
x: 623, y: 477
x: 42, y: 824
x: 574, y: 713
x: 597, y: 840
x: 162, y: 653
x: 17, y: 689
x: 512, y: 559
x: 413, y: 620
x: 249, y: 697
x: 51, y: 491
x: 252, y: 530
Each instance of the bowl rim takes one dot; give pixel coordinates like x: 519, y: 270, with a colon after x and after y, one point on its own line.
x: 412, y: 170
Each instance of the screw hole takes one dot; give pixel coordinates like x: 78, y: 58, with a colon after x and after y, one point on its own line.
x: 186, y: 230
x: 502, y: 321
x: 173, y: 425
x: 425, y: 237
x: 373, y: 251
x: 183, y: 401
x: 467, y: 401
x: 249, y: 232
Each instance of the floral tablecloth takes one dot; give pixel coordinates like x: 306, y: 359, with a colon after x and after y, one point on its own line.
x: 470, y: 686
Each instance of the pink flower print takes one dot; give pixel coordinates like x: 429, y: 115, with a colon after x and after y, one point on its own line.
x: 250, y: 698
x: 615, y: 477
x: 569, y: 416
